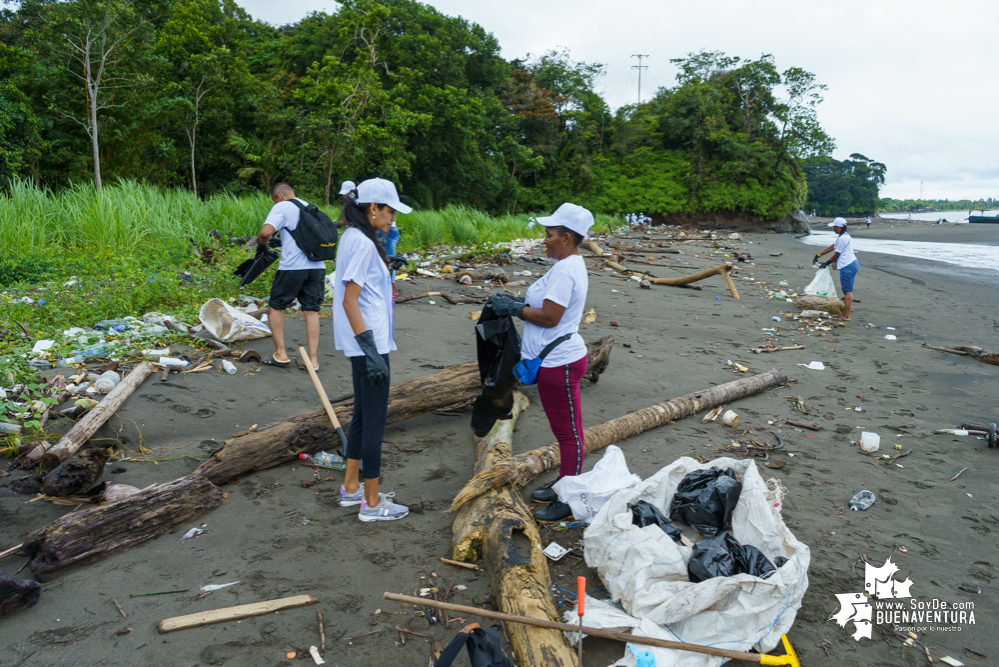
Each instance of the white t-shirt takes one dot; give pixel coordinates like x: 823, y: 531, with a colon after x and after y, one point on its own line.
x: 284, y: 215
x: 565, y: 284
x: 844, y: 246
x: 358, y: 261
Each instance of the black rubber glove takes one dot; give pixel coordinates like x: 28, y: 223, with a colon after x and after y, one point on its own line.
x: 817, y: 258
x: 396, y: 262
x: 378, y: 372
x: 824, y: 264
x: 261, y: 248
x: 505, y: 305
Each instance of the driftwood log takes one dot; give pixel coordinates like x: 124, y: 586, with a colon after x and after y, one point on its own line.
x: 90, y: 534
x: 519, y: 578
x: 522, y: 468
x: 94, y: 419
x: 78, y: 474
x: 281, y: 442
x: 414, y: 297
x: 976, y: 353
x: 722, y: 270
x: 17, y: 594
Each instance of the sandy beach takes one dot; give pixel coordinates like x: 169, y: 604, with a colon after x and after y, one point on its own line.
x: 278, y: 538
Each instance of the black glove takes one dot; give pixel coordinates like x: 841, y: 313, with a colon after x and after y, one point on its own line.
x: 378, y: 372
x: 261, y: 248
x: 824, y: 264
x: 817, y: 258
x: 505, y: 305
x: 397, y: 261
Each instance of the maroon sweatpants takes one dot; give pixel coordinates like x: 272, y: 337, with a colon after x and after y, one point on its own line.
x: 559, y: 391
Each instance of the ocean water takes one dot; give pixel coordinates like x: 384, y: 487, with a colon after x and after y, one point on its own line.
x: 960, y: 254
x: 949, y: 216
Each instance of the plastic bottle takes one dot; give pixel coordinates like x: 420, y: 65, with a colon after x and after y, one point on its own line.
x: 173, y: 361
x: 228, y: 367
x: 107, y: 381
x: 99, y: 350
x: 869, y: 442
x: 165, y: 352
x: 10, y: 429
x: 862, y: 501
x: 326, y: 460
x: 107, y: 324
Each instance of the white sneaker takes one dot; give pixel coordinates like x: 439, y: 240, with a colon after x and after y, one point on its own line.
x: 387, y: 510
x: 349, y: 499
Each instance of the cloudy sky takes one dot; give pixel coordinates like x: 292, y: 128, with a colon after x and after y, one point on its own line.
x: 912, y: 83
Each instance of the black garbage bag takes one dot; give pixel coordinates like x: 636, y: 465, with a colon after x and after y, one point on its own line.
x: 704, y: 500
x: 645, y: 514
x: 251, y: 269
x: 498, y: 349
x: 723, y: 556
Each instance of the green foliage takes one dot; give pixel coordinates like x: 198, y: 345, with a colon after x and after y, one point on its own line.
x: 913, y: 205
x: 847, y: 187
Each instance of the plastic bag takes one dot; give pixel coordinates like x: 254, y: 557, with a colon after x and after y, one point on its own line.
x: 645, y: 514
x: 822, y: 284
x: 646, y: 573
x: 228, y: 324
x: 723, y: 556
x: 588, y: 492
x: 704, y: 500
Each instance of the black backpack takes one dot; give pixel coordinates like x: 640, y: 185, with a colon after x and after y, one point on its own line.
x: 316, y: 233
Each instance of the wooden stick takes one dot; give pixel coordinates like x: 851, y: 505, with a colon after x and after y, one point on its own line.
x: 10, y: 552
x: 944, y: 349
x: 233, y: 613
x: 780, y: 349
x: 93, y: 420
x: 458, y: 563
x: 810, y: 427
x: 722, y: 270
x: 322, y: 395
x: 593, y: 632
x: 414, y: 297
x: 118, y: 604
x: 322, y: 630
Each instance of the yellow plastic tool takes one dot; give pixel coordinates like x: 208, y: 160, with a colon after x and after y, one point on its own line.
x: 790, y: 659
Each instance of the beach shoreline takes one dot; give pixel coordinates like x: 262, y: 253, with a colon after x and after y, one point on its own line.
x: 278, y: 539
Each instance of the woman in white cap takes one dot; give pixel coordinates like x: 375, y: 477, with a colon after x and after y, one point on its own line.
x: 844, y: 261
x: 551, y: 312
x: 363, y: 328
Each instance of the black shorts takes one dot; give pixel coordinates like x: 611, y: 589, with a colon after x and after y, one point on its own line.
x: 306, y: 285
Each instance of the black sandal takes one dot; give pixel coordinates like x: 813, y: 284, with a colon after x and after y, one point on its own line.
x: 271, y: 361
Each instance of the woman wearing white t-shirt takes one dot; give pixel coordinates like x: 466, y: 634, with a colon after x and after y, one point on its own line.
x: 552, y: 310
x: 363, y: 328
x: 845, y: 261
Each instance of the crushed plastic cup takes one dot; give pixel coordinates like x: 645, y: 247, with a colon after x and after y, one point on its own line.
x: 870, y: 442
x: 862, y: 501
x: 730, y: 418
x: 815, y: 366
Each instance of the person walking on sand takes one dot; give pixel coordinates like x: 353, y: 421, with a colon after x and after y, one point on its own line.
x: 868, y: 222
x: 364, y: 329
x: 297, y: 277
x: 345, y: 189
x: 552, y: 310
x: 844, y: 261
x: 391, y: 240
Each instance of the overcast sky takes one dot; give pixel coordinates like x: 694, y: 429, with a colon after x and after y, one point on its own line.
x: 911, y: 83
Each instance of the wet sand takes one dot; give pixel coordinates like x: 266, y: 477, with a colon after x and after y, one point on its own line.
x: 279, y: 539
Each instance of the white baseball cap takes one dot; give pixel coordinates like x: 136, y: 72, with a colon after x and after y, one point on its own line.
x: 838, y: 222
x: 380, y: 191
x: 570, y: 216
x: 347, y: 186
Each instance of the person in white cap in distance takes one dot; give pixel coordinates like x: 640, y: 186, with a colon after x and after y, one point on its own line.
x: 363, y: 327
x: 843, y: 260
x: 552, y: 310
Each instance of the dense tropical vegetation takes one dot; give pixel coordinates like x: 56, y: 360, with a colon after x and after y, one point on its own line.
x: 914, y: 205
x: 197, y: 95
x: 844, y: 187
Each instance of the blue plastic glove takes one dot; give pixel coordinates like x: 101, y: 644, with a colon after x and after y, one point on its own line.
x: 378, y: 372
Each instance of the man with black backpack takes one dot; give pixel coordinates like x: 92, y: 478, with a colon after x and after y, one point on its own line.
x: 308, y: 238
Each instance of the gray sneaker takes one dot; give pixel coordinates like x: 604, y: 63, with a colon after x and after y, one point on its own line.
x: 350, y: 499
x: 387, y: 510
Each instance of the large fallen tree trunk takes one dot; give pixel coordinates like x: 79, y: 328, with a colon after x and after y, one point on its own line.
x: 87, y: 535
x: 520, y: 580
x: 522, y: 468
x: 281, y: 442
x: 77, y: 475
x: 86, y: 427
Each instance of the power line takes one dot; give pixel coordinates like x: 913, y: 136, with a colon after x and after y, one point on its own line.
x: 640, y: 67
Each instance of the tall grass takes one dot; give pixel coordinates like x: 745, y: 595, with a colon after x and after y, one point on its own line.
x: 135, y: 219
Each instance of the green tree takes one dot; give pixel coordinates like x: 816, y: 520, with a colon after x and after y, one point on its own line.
x: 19, y: 138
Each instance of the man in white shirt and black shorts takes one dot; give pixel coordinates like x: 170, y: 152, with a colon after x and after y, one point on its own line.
x: 297, y: 277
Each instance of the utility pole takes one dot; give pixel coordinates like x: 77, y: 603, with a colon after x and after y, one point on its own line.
x: 640, y: 67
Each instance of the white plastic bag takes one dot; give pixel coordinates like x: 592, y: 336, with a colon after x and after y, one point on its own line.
x: 646, y: 572
x: 228, y: 324
x: 822, y: 284
x: 588, y: 492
